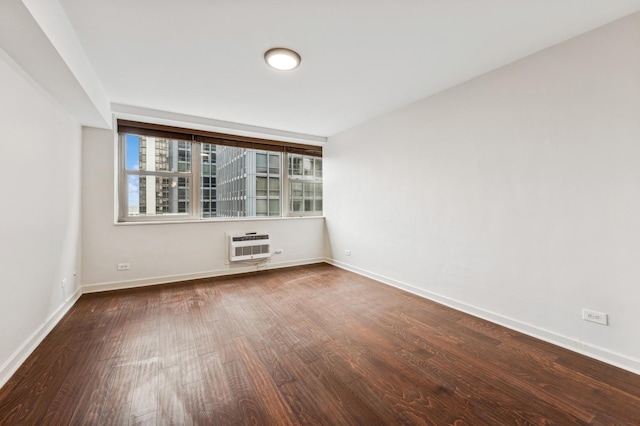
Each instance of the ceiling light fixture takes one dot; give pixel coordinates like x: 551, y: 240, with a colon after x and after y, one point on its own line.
x: 282, y: 59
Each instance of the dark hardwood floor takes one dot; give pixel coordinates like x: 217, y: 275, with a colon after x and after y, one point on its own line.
x: 305, y: 345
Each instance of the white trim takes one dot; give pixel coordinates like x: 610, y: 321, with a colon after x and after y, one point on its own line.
x: 236, y: 268
x: 8, y: 369
x: 218, y: 220
x: 601, y: 354
x: 21, y: 354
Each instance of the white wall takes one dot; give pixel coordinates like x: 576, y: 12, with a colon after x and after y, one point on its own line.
x: 515, y: 196
x: 161, y: 253
x: 40, y: 226
x: 37, y: 35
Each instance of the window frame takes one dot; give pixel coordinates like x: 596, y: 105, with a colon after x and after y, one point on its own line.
x: 196, y: 138
x: 123, y: 182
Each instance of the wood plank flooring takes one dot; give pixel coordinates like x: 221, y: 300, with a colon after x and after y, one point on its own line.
x: 307, y: 345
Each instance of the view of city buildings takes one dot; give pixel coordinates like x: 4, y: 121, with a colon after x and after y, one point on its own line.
x: 234, y: 182
x: 208, y: 181
x: 160, y: 195
x: 305, y: 181
x: 248, y: 182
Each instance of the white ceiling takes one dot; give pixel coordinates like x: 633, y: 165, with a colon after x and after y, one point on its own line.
x: 360, y: 58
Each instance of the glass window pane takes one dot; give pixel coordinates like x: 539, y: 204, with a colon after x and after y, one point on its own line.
x: 274, y: 186
x: 308, y: 166
x: 308, y: 189
x: 132, y: 152
x: 162, y: 195
x: 133, y: 195
x: 261, y: 186
x: 157, y: 154
x: 274, y: 163
x: 261, y: 207
x: 274, y: 207
x: 318, y: 167
x: 295, y: 166
x: 261, y: 163
x: 296, y: 189
x: 207, y: 152
x: 223, y: 173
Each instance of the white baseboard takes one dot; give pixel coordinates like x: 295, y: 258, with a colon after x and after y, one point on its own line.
x: 9, y: 368
x: 14, y: 362
x: 235, y: 269
x: 602, y: 354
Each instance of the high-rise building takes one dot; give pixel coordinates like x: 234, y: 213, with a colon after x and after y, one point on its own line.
x: 234, y: 182
x: 248, y: 182
x: 163, y: 195
x: 208, y: 180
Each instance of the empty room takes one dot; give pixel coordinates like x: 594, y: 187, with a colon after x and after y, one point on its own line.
x: 302, y: 212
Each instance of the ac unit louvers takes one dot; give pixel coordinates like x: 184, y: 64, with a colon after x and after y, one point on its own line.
x: 249, y: 246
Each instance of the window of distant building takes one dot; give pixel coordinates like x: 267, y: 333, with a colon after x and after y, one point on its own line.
x: 168, y: 173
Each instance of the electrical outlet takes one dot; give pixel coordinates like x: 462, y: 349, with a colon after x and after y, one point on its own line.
x: 124, y: 266
x: 347, y: 252
x: 593, y: 316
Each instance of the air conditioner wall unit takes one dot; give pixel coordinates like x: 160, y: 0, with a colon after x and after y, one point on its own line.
x: 249, y: 246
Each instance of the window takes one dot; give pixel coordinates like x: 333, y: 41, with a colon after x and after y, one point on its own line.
x: 158, y: 176
x: 168, y: 173
x: 305, y: 184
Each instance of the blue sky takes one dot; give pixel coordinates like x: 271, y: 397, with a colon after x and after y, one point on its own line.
x: 133, y: 152
x: 132, y: 162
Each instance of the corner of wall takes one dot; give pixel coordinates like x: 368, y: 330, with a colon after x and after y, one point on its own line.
x: 21, y: 354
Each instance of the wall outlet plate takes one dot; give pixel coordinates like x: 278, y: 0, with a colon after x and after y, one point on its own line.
x: 124, y: 266
x: 594, y: 316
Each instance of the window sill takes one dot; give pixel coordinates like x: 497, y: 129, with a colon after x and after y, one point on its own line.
x: 215, y: 220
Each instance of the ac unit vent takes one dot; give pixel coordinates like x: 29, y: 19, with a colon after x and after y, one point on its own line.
x: 249, y: 246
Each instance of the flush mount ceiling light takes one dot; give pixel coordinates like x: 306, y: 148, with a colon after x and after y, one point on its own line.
x: 282, y: 59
